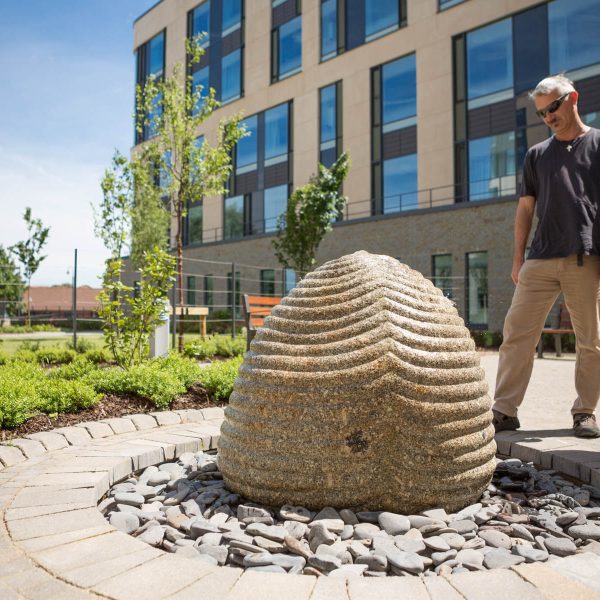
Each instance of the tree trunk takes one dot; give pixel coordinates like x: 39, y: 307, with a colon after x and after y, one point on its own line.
x: 29, y: 303
x: 179, y: 242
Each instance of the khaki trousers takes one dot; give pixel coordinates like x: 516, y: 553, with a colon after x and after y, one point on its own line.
x: 540, y: 283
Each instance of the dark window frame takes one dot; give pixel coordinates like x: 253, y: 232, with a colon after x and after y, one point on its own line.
x: 476, y: 326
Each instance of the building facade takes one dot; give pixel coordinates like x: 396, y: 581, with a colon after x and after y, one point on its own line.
x: 429, y: 97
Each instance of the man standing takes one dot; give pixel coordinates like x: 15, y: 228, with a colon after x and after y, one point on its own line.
x: 561, y: 183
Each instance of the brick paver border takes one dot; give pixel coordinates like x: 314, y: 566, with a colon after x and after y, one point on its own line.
x: 55, y: 543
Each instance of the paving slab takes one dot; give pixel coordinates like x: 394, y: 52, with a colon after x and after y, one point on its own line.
x: 29, y: 448
x: 584, y: 568
x: 58, y: 539
x: 330, y: 588
x: 438, y: 588
x: 41, y: 496
x: 50, y: 440
x: 367, y: 588
x: 96, y: 429
x: 499, y: 583
x: 153, y: 580
x: 13, y: 514
x: 167, y: 417
x: 76, y: 436
x: 120, y: 425
x: 554, y: 585
x: 213, y: 586
x: 143, y: 421
x: 272, y: 586
x: 10, y: 455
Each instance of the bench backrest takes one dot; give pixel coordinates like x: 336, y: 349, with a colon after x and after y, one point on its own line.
x: 564, y: 320
x: 257, y: 308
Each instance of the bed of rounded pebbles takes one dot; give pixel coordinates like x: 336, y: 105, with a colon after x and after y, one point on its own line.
x: 525, y: 515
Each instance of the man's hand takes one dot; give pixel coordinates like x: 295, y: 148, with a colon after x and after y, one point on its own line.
x: 517, y: 264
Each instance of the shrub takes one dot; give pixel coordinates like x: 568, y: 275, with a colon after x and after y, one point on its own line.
x: 18, y: 387
x: 55, y: 356
x: 218, y: 378
x: 4, y: 358
x: 185, y: 369
x: 216, y: 345
x: 27, y: 328
x: 487, y: 339
x: 83, y: 345
x: 201, y: 350
x: 63, y: 395
x: 98, y: 355
x: 78, y: 369
x: 24, y: 356
x: 28, y: 346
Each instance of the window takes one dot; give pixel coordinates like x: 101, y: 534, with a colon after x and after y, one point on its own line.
x: 233, y: 218
x: 275, y: 204
x: 221, y: 67
x: 399, y: 93
x: 492, y: 171
x: 201, y: 22
x: 267, y: 282
x: 232, y: 16
x: 276, y: 135
x: 330, y: 126
x: 477, y: 289
x: 329, y: 45
x: 287, y: 49
x: 573, y: 27
x: 194, y: 225
x: 247, y: 147
x: 442, y: 273
x: 201, y: 83
x: 449, y: 3
x: 190, y: 293
x: 231, y: 76
x: 490, y: 64
x: 150, y: 59
x: 209, y: 292
x: 400, y: 184
x: 289, y: 280
x: 381, y: 17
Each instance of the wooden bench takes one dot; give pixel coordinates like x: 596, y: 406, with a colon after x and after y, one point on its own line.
x: 256, y: 309
x: 564, y: 326
x: 193, y: 311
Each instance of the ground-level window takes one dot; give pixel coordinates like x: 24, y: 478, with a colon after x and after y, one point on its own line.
x: 477, y: 289
x: 441, y: 268
x: 267, y: 282
x: 190, y: 292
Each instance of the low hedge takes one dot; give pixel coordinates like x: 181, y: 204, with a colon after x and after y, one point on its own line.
x: 216, y: 345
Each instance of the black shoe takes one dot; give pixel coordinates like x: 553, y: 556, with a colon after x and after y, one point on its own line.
x: 503, y: 422
x: 585, y: 426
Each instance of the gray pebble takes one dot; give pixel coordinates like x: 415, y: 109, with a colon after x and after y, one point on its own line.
x: 393, y: 524
x: 501, y: 558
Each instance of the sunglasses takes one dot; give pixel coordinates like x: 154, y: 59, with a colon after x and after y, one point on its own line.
x: 552, y: 107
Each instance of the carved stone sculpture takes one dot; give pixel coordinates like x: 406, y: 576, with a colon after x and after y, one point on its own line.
x: 363, y: 389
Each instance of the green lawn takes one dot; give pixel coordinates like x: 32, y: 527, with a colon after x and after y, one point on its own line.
x: 10, y: 346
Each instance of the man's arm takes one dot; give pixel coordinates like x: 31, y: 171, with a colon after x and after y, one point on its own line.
x: 523, y: 221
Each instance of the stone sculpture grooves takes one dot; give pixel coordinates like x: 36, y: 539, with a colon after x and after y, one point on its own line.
x: 363, y: 389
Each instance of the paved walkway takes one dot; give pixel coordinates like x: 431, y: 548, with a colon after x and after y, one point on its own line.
x: 55, y: 544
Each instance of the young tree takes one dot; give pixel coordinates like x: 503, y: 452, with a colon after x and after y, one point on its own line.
x: 310, y: 212
x: 173, y: 113
x: 131, y: 216
x: 28, y: 252
x: 12, y: 285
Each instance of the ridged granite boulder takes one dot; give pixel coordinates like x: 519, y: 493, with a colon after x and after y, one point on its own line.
x: 362, y: 389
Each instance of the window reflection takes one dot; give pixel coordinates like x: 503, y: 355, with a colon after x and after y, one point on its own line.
x: 399, y: 93
x: 290, y: 47
x: 442, y: 273
x: 246, y: 148
x: 275, y: 204
x: 400, y: 184
x: 233, y: 218
x: 195, y: 224
x: 232, y: 16
x: 231, y: 76
x: 492, y: 166
x: 381, y: 17
x: 276, y: 134
x: 477, y: 288
x: 328, y: 29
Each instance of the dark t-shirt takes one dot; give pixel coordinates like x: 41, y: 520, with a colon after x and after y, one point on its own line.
x: 566, y: 186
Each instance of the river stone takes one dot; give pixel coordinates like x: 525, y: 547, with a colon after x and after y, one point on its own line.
x: 530, y: 554
x: 360, y: 337
x: 125, y: 522
x: 560, y: 546
x: 495, y: 539
x: 501, y: 558
x: 393, y: 524
x: 591, y: 531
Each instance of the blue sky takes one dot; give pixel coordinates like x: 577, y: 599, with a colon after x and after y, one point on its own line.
x: 66, y: 103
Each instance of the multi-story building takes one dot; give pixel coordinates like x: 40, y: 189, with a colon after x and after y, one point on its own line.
x: 428, y: 96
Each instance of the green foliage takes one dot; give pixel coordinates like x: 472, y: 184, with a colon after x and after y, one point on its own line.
x: 218, y: 378
x: 28, y: 252
x: 98, y: 355
x: 55, y: 356
x: 129, y: 320
x: 27, y: 328
x: 83, y: 345
x: 80, y: 368
x: 30, y: 345
x: 216, y: 345
x: 186, y: 370
x: 310, y: 212
x: 174, y: 113
x: 18, y: 393
x: 487, y: 339
x: 12, y: 287
x: 65, y: 395
x: 4, y: 357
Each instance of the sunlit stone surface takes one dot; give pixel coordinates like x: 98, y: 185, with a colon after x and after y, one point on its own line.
x: 363, y: 390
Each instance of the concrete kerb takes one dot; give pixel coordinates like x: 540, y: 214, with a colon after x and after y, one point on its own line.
x: 54, y: 534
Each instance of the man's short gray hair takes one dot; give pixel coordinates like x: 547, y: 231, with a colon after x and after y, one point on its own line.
x: 555, y: 83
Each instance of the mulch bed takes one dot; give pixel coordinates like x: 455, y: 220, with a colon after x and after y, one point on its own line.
x: 109, y: 407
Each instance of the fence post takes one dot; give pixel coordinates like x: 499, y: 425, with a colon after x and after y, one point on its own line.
x: 233, y: 291
x: 74, y: 302
x: 174, y: 319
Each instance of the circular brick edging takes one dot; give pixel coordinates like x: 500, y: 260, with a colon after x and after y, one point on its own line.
x: 52, y: 483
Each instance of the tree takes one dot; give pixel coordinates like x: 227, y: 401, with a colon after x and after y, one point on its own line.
x: 28, y: 252
x: 173, y: 113
x: 12, y: 285
x: 310, y: 212
x: 131, y: 216
x: 129, y: 319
